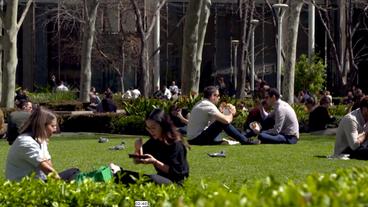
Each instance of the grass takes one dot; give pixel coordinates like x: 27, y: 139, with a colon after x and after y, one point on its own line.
x: 242, y: 163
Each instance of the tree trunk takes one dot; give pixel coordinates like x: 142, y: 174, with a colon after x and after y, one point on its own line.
x: 194, y: 34
x: 9, y: 42
x: 11, y: 61
x: 90, y: 7
x: 145, y: 81
x: 292, y: 38
x: 10, y: 54
x: 203, y: 21
x: 245, y: 13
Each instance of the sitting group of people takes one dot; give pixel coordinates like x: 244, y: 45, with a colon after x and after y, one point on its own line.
x: 166, y: 149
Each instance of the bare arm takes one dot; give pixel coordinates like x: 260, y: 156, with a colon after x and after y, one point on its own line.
x: 226, y: 119
x: 47, y: 168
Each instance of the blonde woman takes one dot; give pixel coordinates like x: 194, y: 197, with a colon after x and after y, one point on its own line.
x: 29, y: 153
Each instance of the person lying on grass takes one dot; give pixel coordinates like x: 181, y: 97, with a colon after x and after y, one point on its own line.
x: 29, y: 153
x: 351, y: 135
x: 165, y: 150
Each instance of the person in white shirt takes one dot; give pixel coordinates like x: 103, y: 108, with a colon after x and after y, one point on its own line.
x: 166, y: 92
x: 174, y: 89
x: 352, y: 132
x: 62, y: 87
x: 206, y: 121
x: 136, y: 93
x: 29, y: 153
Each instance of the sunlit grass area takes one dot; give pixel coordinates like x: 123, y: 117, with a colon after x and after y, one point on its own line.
x: 241, y: 164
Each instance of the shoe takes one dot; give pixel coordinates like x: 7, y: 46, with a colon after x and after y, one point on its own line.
x: 217, y: 154
x: 118, y: 147
x: 103, y: 140
x: 229, y: 142
x: 114, y: 168
x: 252, y: 142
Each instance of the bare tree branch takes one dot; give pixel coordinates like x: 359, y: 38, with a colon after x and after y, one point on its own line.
x: 152, y: 24
x: 28, y: 5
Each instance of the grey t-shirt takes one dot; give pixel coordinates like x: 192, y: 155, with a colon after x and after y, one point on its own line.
x: 201, y: 116
x: 350, y: 126
x: 25, y: 157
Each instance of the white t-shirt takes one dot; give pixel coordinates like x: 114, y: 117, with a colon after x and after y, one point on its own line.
x: 24, y: 157
x: 201, y: 116
x: 167, y: 93
x: 62, y: 88
x: 136, y: 93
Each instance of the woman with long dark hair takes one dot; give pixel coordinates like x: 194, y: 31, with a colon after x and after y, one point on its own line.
x: 165, y: 150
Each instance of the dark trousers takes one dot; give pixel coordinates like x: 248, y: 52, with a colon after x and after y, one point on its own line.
x: 208, y: 136
x: 267, y: 138
x: 130, y: 177
x: 360, y: 154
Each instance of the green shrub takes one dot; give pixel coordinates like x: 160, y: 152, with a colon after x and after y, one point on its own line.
x: 301, y: 112
x: 53, y: 97
x: 71, y: 105
x: 103, y: 123
x: 129, y: 125
x: 310, y: 76
x: 346, y: 187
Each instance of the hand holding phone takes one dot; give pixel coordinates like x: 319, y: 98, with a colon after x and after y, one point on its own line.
x: 138, y: 146
x: 138, y: 156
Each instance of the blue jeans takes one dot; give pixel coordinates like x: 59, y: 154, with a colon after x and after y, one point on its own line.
x: 208, y: 136
x: 267, y: 138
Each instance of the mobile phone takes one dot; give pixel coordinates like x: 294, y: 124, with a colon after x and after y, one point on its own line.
x: 138, y: 156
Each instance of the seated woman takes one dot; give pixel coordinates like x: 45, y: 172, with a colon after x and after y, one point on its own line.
x: 29, y: 153
x: 179, y: 117
x: 93, y: 99
x: 165, y: 150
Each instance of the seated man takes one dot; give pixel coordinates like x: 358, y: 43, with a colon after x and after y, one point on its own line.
x: 352, y: 133
x: 286, y: 128
x: 107, y: 104
x: 206, y: 121
x: 319, y: 117
x: 16, y: 120
x: 179, y: 117
x: 258, y: 114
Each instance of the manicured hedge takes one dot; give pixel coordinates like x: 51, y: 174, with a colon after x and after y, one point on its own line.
x: 346, y: 187
x: 102, y: 123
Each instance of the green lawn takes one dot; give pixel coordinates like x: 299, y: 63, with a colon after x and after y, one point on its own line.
x: 242, y: 163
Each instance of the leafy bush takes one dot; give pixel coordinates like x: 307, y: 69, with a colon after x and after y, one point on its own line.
x: 310, y: 76
x: 129, y: 125
x: 339, y: 110
x: 346, y: 187
x: 99, y: 122
x: 53, y: 97
x: 301, y: 112
x: 103, y: 123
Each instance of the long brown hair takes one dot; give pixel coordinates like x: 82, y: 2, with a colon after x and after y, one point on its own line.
x: 37, y: 122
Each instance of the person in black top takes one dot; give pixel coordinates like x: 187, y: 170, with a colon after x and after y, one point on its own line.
x: 165, y: 150
x: 107, y: 104
x: 319, y: 117
x: 179, y: 117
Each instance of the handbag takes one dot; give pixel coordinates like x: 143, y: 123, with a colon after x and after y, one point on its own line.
x: 102, y: 174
